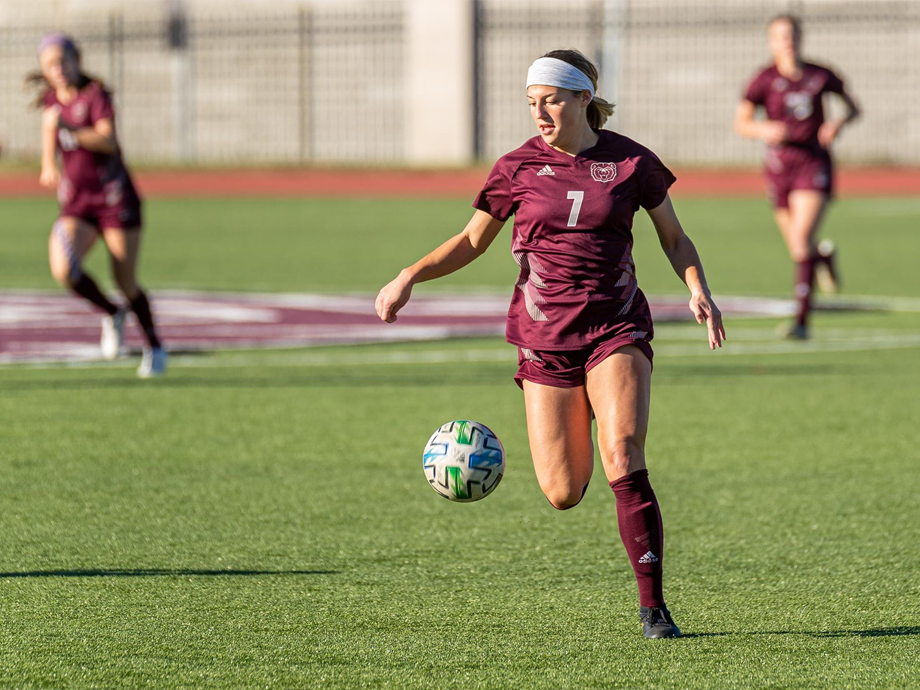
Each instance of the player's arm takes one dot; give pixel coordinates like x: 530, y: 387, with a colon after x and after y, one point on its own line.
x: 451, y: 256
x: 769, y: 131
x: 686, y: 262
x: 50, y: 176
x: 829, y: 130
x: 100, y: 138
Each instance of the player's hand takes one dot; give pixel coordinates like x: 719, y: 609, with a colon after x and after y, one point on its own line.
x: 393, y: 297
x: 706, y: 311
x: 828, y: 132
x: 774, y: 132
x: 49, y: 177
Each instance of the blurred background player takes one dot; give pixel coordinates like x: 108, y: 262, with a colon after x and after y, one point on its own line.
x: 582, y: 326
x: 95, y: 193
x: 798, y: 167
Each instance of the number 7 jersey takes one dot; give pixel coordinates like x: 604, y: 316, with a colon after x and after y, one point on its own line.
x: 572, y: 237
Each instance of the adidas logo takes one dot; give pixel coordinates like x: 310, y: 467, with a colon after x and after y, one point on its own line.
x: 546, y: 171
x: 649, y: 557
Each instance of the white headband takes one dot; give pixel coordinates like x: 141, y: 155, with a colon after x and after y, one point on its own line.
x: 552, y: 72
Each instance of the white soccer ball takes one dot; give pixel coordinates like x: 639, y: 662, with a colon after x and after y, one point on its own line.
x: 464, y: 461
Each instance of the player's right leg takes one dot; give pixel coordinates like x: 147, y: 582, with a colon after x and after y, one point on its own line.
x: 806, y: 210
x: 71, y: 240
x: 559, y: 429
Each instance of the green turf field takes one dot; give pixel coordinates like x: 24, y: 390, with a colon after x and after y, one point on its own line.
x: 260, y: 519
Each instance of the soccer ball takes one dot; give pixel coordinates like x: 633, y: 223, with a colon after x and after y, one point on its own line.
x: 464, y: 461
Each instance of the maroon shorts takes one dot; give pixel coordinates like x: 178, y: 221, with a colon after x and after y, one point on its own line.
x: 116, y: 206
x: 788, y: 168
x: 568, y: 368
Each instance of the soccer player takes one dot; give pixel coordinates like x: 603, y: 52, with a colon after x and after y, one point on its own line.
x: 95, y: 193
x: 582, y: 325
x: 798, y: 168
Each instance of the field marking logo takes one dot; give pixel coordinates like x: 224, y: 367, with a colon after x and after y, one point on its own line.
x: 604, y: 172
x: 546, y: 171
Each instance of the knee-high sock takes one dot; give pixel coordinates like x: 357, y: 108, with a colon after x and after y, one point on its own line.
x: 86, y: 288
x: 639, y: 519
x: 804, y: 284
x: 141, y: 308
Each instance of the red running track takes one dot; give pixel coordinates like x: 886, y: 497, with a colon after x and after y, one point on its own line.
x: 439, y: 183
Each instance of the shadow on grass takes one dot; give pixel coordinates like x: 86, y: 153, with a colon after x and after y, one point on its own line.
x: 874, y: 632
x: 162, y: 572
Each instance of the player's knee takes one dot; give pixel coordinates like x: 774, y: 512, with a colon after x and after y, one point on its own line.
x: 626, y: 453
x: 66, y: 267
x: 565, y: 496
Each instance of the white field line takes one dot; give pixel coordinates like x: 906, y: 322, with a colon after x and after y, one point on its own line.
x: 503, y: 355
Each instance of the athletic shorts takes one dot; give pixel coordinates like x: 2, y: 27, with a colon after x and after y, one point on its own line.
x: 788, y: 168
x: 569, y: 368
x: 117, y: 206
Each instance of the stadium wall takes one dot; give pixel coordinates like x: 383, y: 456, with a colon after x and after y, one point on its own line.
x: 393, y: 82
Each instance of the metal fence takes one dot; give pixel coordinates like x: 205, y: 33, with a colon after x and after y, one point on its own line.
x: 677, y: 68
x: 320, y: 83
x: 327, y: 82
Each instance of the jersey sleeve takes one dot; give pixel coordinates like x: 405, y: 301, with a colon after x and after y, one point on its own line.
x: 756, y: 91
x: 834, y: 83
x: 495, y: 198
x: 654, y: 181
x: 100, y: 107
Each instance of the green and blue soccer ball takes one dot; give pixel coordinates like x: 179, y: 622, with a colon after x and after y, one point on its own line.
x: 464, y: 461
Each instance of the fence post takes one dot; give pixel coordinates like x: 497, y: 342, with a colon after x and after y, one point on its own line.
x: 439, y: 64
x: 612, y: 51
x: 304, y: 82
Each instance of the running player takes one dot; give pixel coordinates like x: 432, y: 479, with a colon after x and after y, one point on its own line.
x: 95, y: 194
x: 582, y: 325
x: 798, y: 168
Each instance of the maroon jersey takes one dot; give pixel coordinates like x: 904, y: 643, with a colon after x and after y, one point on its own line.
x: 89, y: 179
x: 572, y: 236
x: 798, y: 103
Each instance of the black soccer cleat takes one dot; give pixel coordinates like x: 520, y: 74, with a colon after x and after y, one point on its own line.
x: 657, y: 623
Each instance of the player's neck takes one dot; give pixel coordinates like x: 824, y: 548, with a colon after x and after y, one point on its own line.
x: 790, y: 68
x: 66, y: 94
x: 582, y: 142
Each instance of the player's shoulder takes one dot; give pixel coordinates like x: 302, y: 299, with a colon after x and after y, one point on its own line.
x: 95, y: 90
x: 49, y: 98
x: 765, y: 74
x: 616, y: 145
x: 815, y: 69
x: 531, y: 149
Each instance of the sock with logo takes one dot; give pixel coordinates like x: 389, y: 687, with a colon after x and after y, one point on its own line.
x: 86, y: 288
x: 639, y: 519
x: 141, y: 308
x: 804, y: 283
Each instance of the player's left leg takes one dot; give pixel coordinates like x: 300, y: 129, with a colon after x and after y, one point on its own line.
x: 124, y: 249
x: 806, y: 210
x: 619, y: 389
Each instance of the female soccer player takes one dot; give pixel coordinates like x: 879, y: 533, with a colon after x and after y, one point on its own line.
x: 95, y: 194
x: 581, y: 324
x: 798, y: 168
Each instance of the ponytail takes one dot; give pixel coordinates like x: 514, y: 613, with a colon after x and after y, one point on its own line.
x: 598, y: 109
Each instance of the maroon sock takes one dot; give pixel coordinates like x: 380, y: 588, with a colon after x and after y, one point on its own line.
x: 141, y: 308
x: 639, y: 519
x: 86, y: 288
x: 804, y: 282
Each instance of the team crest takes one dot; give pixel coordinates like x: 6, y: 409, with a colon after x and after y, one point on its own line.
x: 603, y: 172
x: 79, y: 110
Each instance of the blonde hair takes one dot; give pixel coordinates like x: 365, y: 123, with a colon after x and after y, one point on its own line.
x: 598, y: 109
